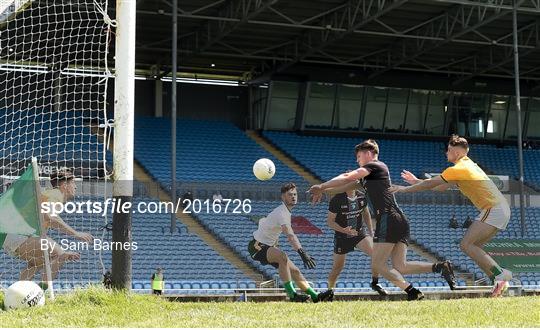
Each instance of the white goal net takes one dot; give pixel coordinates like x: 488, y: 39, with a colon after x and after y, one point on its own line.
x: 53, y: 82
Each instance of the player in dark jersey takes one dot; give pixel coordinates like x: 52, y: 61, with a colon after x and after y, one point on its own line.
x: 392, y: 230
x: 347, y: 214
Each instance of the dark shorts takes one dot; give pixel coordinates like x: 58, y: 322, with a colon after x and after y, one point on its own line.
x: 258, y: 250
x: 158, y: 292
x: 392, y: 227
x: 344, y: 245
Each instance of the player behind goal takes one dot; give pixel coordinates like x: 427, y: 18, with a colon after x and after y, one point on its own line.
x: 29, y: 250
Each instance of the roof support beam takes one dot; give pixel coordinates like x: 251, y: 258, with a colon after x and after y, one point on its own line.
x: 238, y: 12
x: 461, y: 23
x: 279, y: 58
x: 405, y: 34
x: 349, y: 18
x: 352, y: 15
x: 493, y: 66
x: 454, y: 23
x: 528, y: 6
x: 495, y: 58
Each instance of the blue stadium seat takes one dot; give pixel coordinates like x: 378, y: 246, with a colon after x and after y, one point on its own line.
x: 236, y: 152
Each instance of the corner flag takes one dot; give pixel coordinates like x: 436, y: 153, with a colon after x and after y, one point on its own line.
x: 19, y: 209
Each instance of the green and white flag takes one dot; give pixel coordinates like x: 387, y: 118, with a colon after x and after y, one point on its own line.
x: 19, y: 206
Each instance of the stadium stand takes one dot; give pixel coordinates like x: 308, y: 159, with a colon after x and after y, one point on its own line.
x: 328, y: 156
x: 210, y: 151
x: 50, y: 136
x: 497, y: 161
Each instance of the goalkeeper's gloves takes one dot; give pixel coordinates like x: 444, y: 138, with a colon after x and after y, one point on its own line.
x: 309, y: 261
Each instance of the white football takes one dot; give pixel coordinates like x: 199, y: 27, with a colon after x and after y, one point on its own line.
x: 264, y: 169
x: 23, y: 294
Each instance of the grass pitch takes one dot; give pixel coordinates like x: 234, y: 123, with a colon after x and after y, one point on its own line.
x: 98, y: 308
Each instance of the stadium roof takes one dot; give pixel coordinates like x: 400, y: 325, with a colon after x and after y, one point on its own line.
x: 255, y: 38
x: 463, y: 40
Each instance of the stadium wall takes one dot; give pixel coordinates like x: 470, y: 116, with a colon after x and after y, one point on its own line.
x: 418, y: 80
x: 195, y: 101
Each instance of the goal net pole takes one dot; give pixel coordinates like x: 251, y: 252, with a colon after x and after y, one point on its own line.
x: 53, y: 77
x: 124, y: 101
x: 518, y: 113
x: 46, y: 256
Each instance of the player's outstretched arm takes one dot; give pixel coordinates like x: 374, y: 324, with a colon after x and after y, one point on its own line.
x: 345, y: 178
x: 341, y: 189
x: 412, y: 179
x: 409, y: 177
x: 55, y: 222
x: 427, y: 184
x: 340, y: 182
x: 316, y: 197
x: 444, y: 187
x: 309, y: 261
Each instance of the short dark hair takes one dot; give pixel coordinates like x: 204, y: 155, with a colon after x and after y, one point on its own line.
x: 288, y: 186
x: 369, y: 145
x: 458, y: 141
x: 61, y: 174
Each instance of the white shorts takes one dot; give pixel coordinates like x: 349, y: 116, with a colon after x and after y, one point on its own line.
x: 12, y: 243
x: 497, y: 216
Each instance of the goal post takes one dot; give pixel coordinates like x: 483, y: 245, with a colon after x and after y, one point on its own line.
x: 46, y: 257
x: 124, y: 101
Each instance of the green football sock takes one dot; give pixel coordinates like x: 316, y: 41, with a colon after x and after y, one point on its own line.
x: 495, y: 270
x: 312, y: 293
x: 289, y: 288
